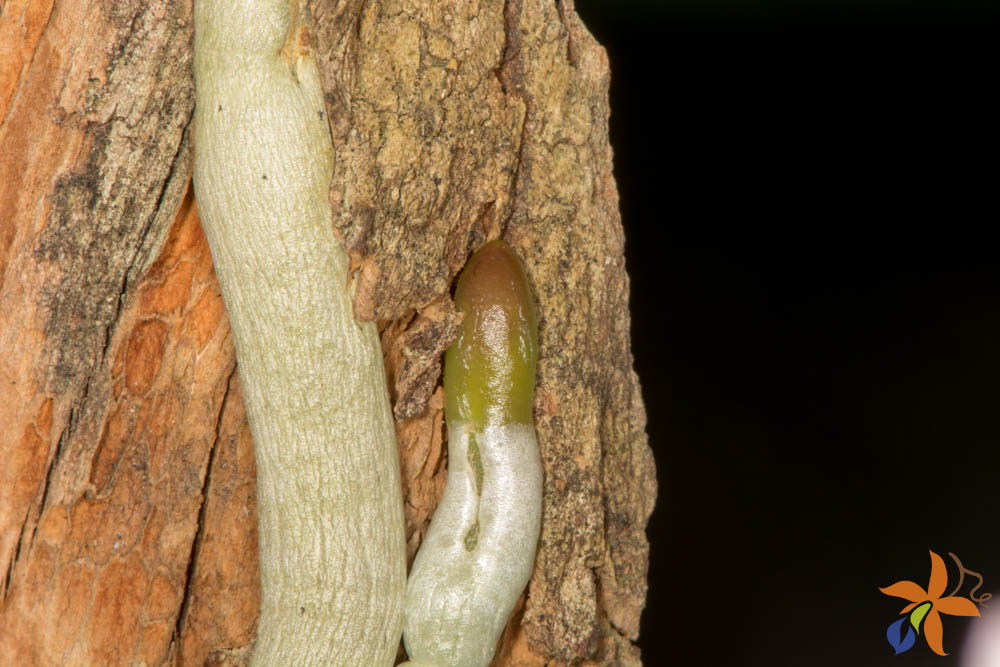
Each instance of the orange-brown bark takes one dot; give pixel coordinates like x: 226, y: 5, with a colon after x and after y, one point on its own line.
x: 127, y: 492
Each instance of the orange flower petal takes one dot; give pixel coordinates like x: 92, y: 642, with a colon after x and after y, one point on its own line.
x: 909, y: 607
x: 906, y: 590
x: 957, y: 606
x: 939, y: 577
x: 934, y: 632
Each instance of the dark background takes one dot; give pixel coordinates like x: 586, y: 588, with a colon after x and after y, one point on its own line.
x: 808, y: 192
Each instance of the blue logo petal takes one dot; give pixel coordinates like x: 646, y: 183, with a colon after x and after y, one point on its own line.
x: 895, y: 636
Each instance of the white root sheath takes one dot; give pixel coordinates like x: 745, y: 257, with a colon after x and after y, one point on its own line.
x: 479, y: 551
x: 329, y: 500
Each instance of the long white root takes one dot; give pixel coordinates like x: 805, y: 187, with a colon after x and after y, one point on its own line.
x: 329, y: 500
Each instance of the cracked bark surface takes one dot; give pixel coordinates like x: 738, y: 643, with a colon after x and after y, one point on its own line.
x: 127, y: 492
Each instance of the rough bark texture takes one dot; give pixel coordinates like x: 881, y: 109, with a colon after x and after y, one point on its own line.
x: 127, y: 493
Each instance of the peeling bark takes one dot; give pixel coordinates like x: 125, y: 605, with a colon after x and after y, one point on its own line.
x: 127, y: 492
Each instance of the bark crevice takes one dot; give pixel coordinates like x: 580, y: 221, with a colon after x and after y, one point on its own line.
x: 192, y: 564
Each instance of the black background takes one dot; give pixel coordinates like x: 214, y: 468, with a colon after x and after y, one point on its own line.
x: 808, y: 192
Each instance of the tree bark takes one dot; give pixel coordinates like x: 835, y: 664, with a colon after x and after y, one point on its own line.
x: 128, y: 524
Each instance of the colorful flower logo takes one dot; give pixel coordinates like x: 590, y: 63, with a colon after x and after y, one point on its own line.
x: 926, y: 606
